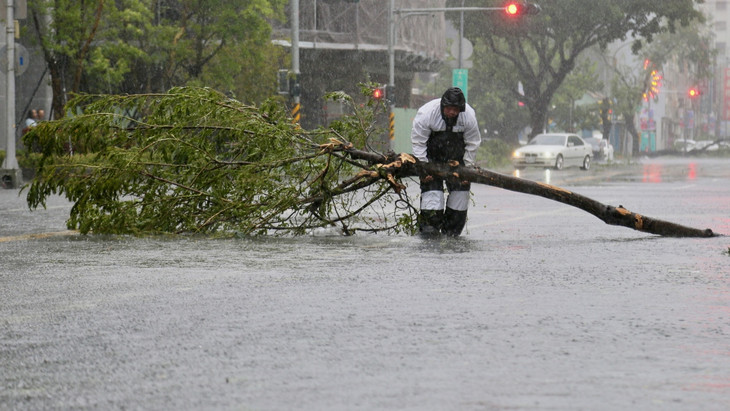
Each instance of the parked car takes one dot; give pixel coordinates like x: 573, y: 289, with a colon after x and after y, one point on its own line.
x: 700, y: 145
x: 556, y: 150
x: 683, y: 144
x: 602, y: 149
x: 711, y: 145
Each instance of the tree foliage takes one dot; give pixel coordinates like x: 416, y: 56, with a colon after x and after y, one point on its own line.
x: 140, y: 46
x: 195, y: 161
x: 223, y: 44
x: 543, y: 50
x: 688, y: 47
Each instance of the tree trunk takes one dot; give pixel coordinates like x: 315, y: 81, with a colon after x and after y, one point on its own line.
x: 606, y: 118
x: 608, y: 214
x: 635, y: 137
x: 58, y: 100
x: 405, y: 165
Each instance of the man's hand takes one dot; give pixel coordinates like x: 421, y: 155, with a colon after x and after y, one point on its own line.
x: 427, y: 179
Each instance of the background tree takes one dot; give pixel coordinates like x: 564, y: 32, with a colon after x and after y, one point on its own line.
x: 223, y: 44
x: 688, y: 46
x: 78, y: 44
x: 496, y: 96
x: 543, y: 49
x: 565, y: 109
x: 133, y: 46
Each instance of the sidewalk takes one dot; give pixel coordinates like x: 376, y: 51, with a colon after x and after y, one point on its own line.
x: 16, y: 219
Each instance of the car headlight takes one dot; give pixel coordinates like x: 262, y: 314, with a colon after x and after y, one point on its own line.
x: 517, y: 154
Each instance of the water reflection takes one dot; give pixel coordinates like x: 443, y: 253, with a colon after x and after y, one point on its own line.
x: 652, y: 173
x: 547, y: 179
x: 692, y: 174
x: 656, y: 173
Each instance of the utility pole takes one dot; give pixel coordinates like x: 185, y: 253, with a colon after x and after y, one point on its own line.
x: 390, y: 87
x: 10, y: 173
x: 295, y: 88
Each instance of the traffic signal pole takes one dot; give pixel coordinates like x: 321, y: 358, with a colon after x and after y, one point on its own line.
x: 10, y: 172
x: 390, y: 88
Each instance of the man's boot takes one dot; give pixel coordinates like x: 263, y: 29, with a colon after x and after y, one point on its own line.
x: 429, y: 222
x: 454, y: 222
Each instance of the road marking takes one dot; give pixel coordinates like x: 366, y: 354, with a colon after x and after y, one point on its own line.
x: 36, y: 236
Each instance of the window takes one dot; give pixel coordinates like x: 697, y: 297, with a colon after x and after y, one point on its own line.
x: 720, y: 26
x: 721, y: 5
x: 574, y: 141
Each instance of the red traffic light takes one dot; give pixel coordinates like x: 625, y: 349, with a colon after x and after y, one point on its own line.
x: 513, y: 9
x: 378, y: 93
x: 519, y: 8
x: 693, y: 92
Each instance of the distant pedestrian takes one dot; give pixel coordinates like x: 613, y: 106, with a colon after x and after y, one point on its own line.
x: 30, y: 121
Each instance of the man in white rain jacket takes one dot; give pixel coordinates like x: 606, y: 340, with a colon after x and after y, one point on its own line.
x: 445, y: 129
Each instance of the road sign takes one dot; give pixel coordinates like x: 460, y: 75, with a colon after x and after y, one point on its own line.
x: 21, y: 59
x: 20, y: 11
x: 460, y: 79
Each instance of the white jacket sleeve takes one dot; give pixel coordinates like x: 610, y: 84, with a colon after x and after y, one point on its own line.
x: 420, y: 134
x: 472, y: 137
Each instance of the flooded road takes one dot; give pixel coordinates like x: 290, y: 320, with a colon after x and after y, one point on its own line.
x: 538, y: 306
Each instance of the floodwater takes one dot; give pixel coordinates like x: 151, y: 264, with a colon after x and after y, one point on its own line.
x: 538, y: 306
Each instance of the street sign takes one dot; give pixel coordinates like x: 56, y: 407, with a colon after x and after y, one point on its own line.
x: 20, y: 9
x: 21, y: 59
x: 460, y: 79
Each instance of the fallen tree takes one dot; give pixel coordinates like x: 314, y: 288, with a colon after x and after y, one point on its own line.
x: 195, y: 161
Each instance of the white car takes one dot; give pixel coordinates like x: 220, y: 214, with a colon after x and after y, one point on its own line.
x: 602, y: 149
x: 556, y: 150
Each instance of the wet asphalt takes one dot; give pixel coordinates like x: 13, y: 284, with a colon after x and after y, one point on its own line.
x: 538, y: 306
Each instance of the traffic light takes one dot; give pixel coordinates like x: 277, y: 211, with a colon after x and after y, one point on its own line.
x: 693, y: 92
x: 513, y: 9
x: 378, y: 93
x: 655, y: 83
x: 517, y: 8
